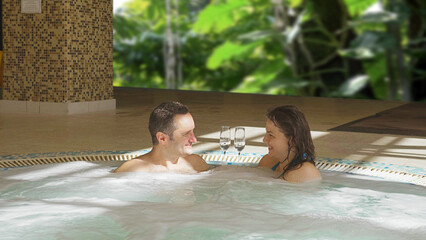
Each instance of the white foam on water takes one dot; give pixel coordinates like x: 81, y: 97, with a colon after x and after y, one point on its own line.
x: 82, y: 200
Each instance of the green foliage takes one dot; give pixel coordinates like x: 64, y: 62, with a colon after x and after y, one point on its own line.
x: 376, y: 71
x: 239, y: 46
x: 259, y: 80
x: 357, y: 7
x: 218, y: 17
x: 369, y: 44
x: 228, y: 51
x: 352, y: 85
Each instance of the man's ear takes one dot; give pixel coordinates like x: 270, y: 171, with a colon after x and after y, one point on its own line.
x: 161, y: 137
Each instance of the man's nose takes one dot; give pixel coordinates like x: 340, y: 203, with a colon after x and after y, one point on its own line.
x: 264, y: 139
x: 193, y: 138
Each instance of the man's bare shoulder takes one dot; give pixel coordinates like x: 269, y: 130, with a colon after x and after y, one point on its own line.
x: 134, y: 165
x: 197, y: 162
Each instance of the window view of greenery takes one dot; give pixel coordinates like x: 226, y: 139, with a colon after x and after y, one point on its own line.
x: 331, y: 48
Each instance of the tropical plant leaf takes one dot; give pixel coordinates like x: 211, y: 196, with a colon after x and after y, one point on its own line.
x: 352, y: 86
x: 218, y: 17
x: 265, y: 73
x: 287, y: 81
x: 375, y: 18
x: 258, y: 35
x: 228, y: 51
x: 358, y: 7
x: 369, y: 44
x: 295, y: 3
x: 376, y: 71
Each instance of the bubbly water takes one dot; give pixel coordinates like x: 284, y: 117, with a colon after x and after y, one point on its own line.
x: 84, y: 200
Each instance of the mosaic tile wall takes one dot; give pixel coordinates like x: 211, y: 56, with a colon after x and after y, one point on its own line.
x: 63, y: 54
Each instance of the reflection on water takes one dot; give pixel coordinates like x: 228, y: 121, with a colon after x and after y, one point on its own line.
x: 87, y: 201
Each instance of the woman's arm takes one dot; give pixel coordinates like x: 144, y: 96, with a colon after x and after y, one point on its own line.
x: 267, y: 161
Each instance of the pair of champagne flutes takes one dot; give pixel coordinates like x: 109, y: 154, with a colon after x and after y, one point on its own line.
x: 239, y: 139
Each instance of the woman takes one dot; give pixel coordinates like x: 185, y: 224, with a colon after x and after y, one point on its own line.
x: 291, y: 150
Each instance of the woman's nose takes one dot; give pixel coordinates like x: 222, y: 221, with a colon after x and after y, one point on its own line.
x: 264, y: 139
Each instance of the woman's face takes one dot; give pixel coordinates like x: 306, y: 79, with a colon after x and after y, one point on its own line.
x: 276, y: 140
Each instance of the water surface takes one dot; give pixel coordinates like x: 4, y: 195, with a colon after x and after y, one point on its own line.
x: 84, y: 200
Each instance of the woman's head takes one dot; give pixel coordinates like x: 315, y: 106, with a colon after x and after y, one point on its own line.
x: 288, y: 135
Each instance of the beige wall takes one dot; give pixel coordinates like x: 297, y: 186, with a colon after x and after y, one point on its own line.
x: 62, y: 55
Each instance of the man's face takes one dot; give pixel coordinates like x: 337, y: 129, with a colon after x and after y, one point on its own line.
x: 183, y: 136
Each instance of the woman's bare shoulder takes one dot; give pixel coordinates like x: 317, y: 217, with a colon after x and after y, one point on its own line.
x: 306, y: 173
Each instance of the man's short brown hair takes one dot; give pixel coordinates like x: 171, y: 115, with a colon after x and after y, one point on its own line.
x: 162, y: 119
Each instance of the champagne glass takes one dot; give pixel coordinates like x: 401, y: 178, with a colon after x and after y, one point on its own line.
x: 239, y: 139
x: 225, y: 138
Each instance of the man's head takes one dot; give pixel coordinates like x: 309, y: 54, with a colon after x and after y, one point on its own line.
x: 162, y: 119
x: 172, y: 125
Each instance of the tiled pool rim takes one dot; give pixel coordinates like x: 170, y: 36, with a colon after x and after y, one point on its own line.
x: 393, y: 172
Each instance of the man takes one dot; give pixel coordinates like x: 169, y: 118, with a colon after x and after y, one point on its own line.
x: 172, y: 131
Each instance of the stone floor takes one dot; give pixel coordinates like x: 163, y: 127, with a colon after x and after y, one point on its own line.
x: 126, y: 127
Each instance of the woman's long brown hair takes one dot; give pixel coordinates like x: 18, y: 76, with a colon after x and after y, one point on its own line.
x: 292, y: 123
